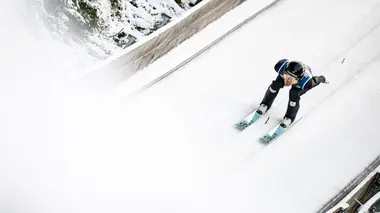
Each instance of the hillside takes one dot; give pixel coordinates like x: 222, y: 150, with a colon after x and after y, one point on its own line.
x: 104, y: 27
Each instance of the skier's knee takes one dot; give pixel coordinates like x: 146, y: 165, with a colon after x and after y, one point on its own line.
x: 271, y: 90
x: 277, y: 84
x: 274, y: 87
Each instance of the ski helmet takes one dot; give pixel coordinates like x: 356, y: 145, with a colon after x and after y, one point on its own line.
x: 295, y: 69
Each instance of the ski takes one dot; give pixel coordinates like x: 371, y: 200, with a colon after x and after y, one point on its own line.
x: 273, y: 134
x: 276, y: 132
x: 248, y: 120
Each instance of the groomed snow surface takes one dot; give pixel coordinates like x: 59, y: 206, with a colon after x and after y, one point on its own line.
x: 173, y: 148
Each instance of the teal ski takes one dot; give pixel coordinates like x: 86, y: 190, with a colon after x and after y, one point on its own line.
x: 248, y: 120
x: 273, y: 134
x: 276, y: 132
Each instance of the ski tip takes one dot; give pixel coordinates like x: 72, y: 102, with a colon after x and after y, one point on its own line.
x: 266, y: 139
x: 241, y: 125
x: 238, y: 127
x: 263, y: 141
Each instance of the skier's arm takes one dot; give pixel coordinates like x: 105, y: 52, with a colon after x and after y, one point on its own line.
x: 279, y: 64
x: 315, y: 81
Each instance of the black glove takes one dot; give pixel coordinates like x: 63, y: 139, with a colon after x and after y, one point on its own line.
x: 324, y: 80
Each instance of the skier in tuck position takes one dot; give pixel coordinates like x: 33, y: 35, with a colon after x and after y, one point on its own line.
x: 300, y: 78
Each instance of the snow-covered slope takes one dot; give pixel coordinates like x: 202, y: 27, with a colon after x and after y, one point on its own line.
x: 173, y: 147
x: 332, y: 143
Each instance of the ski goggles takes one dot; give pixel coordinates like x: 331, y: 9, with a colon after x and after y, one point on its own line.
x: 289, y: 80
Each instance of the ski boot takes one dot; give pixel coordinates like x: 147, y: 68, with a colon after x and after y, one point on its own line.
x: 262, y: 109
x: 285, y: 123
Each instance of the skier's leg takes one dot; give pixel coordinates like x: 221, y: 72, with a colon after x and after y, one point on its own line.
x: 272, y: 92
x: 293, y: 103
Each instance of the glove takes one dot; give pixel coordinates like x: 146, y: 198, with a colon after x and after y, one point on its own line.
x: 324, y: 80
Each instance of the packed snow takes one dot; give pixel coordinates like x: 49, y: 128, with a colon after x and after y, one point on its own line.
x: 173, y: 147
